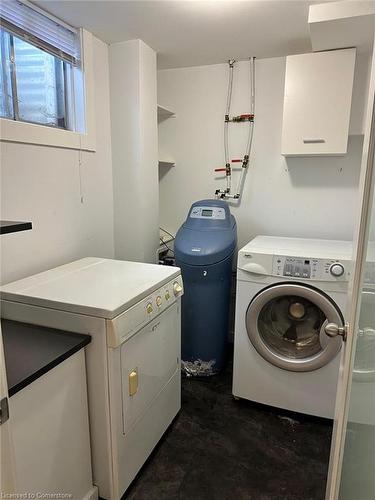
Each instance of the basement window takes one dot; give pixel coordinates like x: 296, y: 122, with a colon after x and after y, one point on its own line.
x: 40, y: 74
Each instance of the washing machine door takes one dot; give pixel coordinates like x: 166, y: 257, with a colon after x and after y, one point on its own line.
x: 285, y: 323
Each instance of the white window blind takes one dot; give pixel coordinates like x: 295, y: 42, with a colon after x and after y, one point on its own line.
x: 28, y: 22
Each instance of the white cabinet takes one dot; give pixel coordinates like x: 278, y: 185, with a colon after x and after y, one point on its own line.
x: 50, y: 431
x: 317, y: 102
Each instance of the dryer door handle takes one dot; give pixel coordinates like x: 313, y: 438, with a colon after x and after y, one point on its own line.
x: 254, y: 268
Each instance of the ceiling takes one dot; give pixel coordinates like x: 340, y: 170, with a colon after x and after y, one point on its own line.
x: 194, y: 32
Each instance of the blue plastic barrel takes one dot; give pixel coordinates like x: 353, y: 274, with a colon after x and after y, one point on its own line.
x: 204, y: 249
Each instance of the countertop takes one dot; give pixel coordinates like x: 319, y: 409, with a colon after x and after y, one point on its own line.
x: 31, y: 351
x: 11, y: 226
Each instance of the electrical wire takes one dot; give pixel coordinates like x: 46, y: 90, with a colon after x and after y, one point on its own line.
x: 168, y: 233
x: 163, y: 242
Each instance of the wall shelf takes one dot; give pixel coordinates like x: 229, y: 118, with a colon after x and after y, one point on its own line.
x: 163, y: 163
x: 11, y: 226
x: 164, y: 113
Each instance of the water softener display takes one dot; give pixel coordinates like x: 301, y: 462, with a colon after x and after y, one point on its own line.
x: 204, y: 249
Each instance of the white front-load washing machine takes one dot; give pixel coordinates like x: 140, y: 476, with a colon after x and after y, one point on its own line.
x: 288, y: 290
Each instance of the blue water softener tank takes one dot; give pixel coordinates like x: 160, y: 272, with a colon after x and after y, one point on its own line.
x: 204, y: 249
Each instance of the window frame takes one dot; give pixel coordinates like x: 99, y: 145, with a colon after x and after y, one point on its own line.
x: 69, y: 99
x: 44, y: 135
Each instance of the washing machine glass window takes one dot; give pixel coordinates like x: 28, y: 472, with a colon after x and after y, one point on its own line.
x: 285, y: 323
x: 291, y: 326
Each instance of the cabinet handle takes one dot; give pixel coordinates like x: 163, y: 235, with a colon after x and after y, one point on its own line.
x: 133, y: 382
x: 314, y: 141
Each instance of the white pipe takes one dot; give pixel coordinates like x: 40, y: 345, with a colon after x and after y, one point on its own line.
x: 241, y: 181
x: 252, y: 102
x: 226, y: 123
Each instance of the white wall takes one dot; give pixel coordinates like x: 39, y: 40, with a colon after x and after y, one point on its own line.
x: 301, y: 197
x: 43, y: 185
x: 134, y: 150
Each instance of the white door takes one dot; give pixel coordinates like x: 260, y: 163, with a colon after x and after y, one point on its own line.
x: 7, y: 479
x: 152, y: 357
x: 352, y: 463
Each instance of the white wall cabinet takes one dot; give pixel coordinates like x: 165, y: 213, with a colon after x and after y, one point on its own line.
x: 317, y: 103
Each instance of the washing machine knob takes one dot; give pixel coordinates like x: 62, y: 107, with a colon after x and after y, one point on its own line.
x: 177, y: 288
x: 337, y: 270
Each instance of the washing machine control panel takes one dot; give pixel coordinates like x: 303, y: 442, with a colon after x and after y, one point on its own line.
x: 310, y: 268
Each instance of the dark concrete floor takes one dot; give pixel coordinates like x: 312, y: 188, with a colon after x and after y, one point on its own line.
x: 222, y: 449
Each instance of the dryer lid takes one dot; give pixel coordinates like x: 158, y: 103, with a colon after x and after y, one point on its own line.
x: 92, y: 286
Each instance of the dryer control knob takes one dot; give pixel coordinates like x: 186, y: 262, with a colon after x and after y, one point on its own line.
x: 337, y: 270
x: 177, y: 288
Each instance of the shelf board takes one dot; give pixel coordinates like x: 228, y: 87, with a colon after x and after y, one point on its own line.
x: 11, y: 226
x: 164, y: 113
x: 163, y: 163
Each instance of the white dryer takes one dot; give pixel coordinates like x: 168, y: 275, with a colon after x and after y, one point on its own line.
x: 132, y: 312
x: 288, y: 290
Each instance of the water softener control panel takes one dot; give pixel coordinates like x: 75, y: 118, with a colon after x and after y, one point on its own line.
x: 217, y: 213
x: 306, y: 268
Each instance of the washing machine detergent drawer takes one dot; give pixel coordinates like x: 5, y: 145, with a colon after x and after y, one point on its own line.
x: 149, y: 359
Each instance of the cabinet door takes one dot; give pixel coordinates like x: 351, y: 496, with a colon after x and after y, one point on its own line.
x: 7, y: 473
x: 317, y: 102
x: 152, y: 356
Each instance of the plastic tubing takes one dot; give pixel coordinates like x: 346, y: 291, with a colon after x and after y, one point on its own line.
x: 241, y: 180
x: 226, y: 123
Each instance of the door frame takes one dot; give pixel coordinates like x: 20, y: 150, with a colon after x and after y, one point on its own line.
x: 361, y: 232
